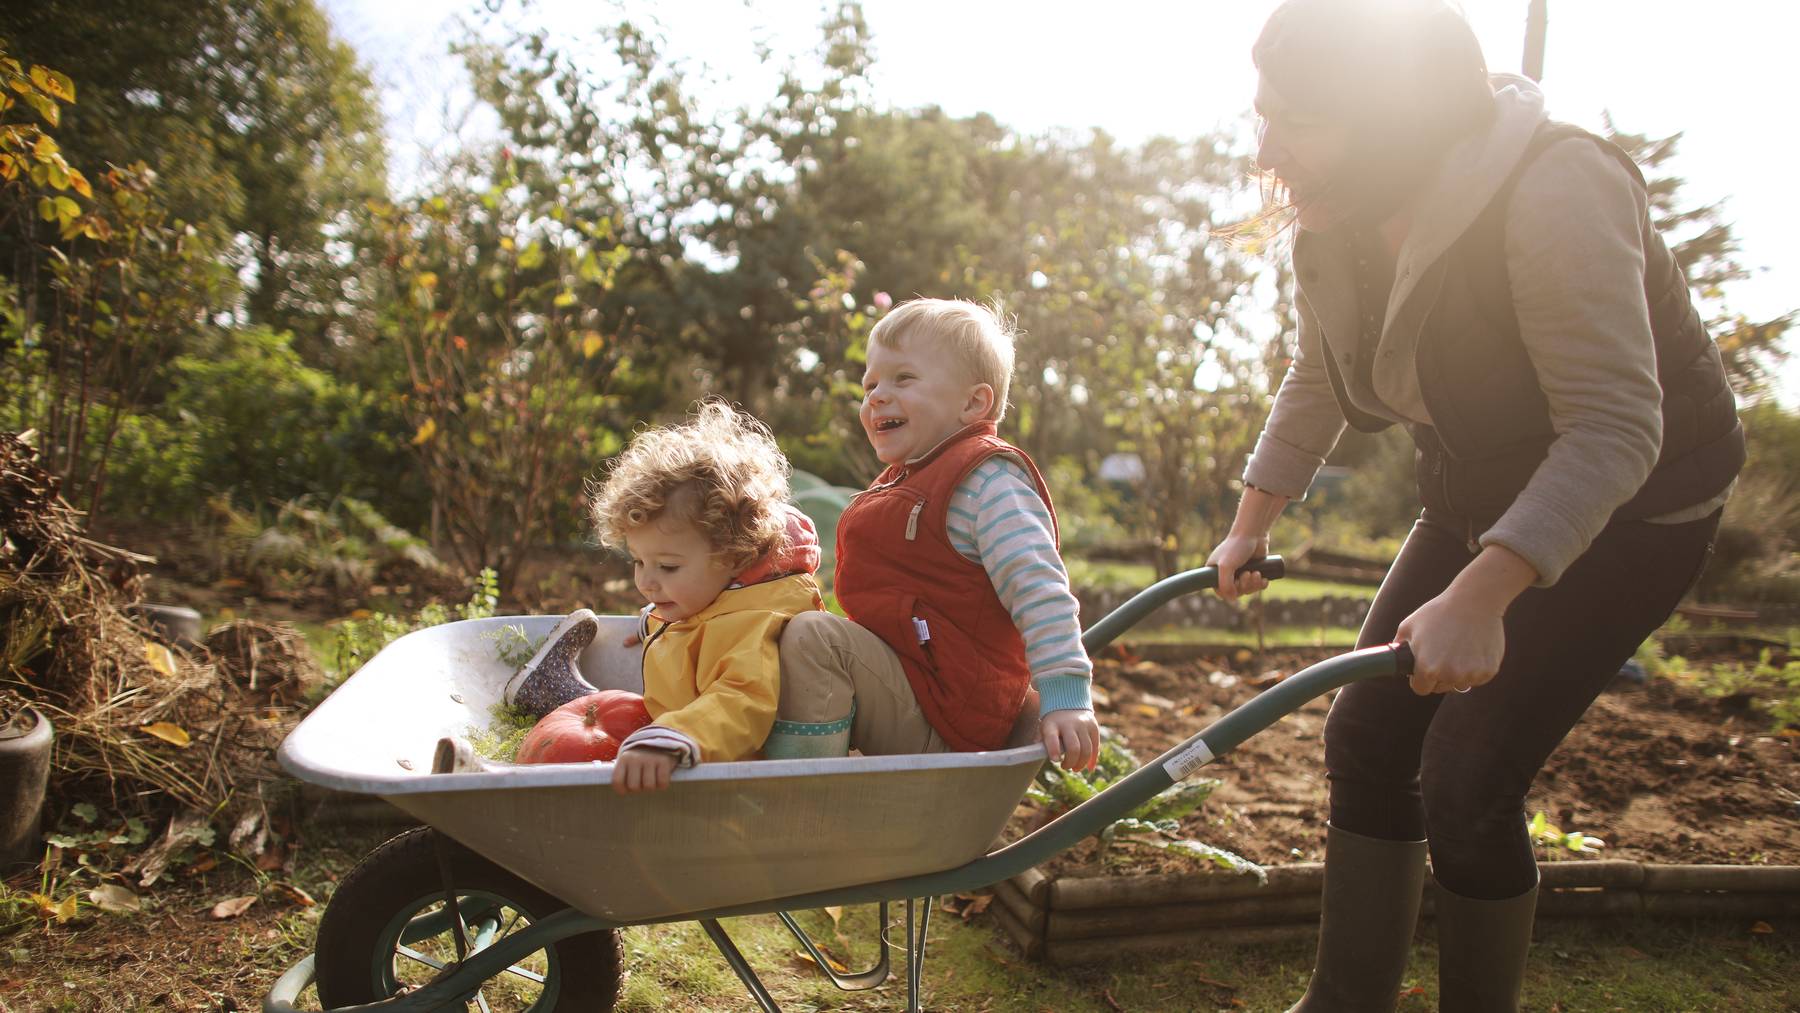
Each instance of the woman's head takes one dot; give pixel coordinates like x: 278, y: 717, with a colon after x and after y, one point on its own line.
x: 1359, y: 99
x: 714, y: 487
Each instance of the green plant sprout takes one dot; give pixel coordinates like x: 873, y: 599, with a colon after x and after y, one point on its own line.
x: 1153, y: 823
x: 1552, y: 837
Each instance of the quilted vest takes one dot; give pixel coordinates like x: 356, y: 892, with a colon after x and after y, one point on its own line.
x: 1491, y: 423
x: 899, y: 577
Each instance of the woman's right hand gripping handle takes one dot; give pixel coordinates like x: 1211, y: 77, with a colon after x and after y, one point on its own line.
x: 1248, y: 540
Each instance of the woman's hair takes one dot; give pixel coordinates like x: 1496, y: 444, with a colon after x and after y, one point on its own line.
x: 720, y: 471
x: 978, y: 338
x: 1407, y: 77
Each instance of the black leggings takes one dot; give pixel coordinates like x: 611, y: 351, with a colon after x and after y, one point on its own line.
x: 1455, y: 768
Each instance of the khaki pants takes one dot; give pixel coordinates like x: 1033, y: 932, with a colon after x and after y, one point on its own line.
x: 830, y: 664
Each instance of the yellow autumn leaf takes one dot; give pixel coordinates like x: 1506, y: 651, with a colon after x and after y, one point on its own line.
x: 591, y: 343
x: 169, y: 732
x: 55, y: 83
x: 80, y: 183
x: 160, y: 658
x: 563, y: 300
x: 427, y: 430
x: 65, y: 910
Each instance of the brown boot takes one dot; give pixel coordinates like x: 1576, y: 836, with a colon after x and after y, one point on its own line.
x: 1371, y: 905
x: 1482, y: 945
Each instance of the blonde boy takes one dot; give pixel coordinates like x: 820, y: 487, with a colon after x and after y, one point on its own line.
x: 947, y: 564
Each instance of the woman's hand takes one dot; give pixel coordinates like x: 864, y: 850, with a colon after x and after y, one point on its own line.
x: 1455, y: 644
x: 1248, y: 540
x: 1232, y: 555
x: 642, y: 769
x: 1458, y: 639
x: 1071, y: 736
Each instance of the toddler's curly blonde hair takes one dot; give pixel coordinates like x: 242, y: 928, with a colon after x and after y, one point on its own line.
x: 720, y: 471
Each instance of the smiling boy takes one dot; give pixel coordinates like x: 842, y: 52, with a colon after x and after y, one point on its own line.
x: 947, y: 564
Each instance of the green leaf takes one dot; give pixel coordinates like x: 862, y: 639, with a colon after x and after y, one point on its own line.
x: 1219, y: 857
x: 85, y: 812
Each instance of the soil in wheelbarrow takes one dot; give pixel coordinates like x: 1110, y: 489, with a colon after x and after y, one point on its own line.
x: 1661, y: 772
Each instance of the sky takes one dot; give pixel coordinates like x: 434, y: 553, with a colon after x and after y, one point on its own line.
x: 1721, y: 72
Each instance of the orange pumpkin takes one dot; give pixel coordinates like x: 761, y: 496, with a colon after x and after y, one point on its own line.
x: 586, y: 728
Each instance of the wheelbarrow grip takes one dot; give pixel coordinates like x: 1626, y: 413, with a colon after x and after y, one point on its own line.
x: 1273, y: 567
x: 1403, y: 659
x: 1162, y: 592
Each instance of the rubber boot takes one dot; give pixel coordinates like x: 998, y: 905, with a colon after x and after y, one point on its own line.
x: 1371, y: 905
x: 808, y: 740
x: 552, y: 678
x: 1482, y: 945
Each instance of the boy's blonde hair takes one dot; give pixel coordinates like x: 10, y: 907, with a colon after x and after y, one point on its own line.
x: 721, y: 471
x: 979, y: 338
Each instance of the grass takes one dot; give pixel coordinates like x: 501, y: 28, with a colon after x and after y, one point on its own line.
x: 1273, y: 636
x: 1575, y: 966
x: 1137, y: 576
x: 173, y: 955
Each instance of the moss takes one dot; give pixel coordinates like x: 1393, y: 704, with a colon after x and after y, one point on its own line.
x: 505, y: 731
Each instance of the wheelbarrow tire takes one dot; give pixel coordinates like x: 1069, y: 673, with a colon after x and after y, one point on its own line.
x: 401, y: 878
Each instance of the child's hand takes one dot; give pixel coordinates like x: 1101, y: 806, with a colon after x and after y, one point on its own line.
x: 1071, y: 736
x: 631, y: 640
x: 642, y: 769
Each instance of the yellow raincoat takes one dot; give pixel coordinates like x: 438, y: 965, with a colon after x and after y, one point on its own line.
x: 715, y: 676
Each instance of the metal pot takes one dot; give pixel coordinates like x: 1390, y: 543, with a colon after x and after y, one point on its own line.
x: 24, y: 771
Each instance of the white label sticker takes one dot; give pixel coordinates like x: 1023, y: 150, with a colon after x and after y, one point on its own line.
x: 1188, y: 760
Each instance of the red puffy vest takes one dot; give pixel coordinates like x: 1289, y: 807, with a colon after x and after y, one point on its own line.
x: 899, y: 577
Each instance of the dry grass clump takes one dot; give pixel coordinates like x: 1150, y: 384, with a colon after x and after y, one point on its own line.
x: 139, y: 724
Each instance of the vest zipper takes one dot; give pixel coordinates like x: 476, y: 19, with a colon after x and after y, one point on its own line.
x: 912, y: 520
x: 896, y: 480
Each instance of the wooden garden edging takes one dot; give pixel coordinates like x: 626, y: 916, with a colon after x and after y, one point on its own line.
x: 1082, y: 920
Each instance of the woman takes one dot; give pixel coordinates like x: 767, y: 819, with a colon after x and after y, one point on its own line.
x: 1491, y: 280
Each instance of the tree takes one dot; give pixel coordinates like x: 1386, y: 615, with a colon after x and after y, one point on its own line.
x: 1707, y: 250
x: 255, y: 120
x: 105, y: 289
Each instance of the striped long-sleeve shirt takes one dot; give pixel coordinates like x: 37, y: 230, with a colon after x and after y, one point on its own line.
x: 998, y: 521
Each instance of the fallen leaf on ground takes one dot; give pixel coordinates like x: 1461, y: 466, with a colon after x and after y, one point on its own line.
x: 293, y: 894
x: 806, y: 958
x: 184, y: 828
x: 114, y: 898
x: 160, y: 658
x: 1762, y: 929
x: 233, y: 907
x: 169, y: 732
x: 965, y: 906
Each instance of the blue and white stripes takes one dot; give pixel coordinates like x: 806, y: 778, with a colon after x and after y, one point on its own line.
x: 998, y: 521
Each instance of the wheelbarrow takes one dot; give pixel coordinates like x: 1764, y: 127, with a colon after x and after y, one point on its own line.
x: 511, y: 897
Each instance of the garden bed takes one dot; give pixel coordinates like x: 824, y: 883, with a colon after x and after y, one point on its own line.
x: 1693, y: 796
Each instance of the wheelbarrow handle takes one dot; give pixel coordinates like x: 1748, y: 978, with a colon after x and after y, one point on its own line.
x: 1205, y: 578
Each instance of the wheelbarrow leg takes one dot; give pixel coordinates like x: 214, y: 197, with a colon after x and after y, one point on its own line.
x: 851, y: 981
x: 915, y: 951
x: 739, y: 965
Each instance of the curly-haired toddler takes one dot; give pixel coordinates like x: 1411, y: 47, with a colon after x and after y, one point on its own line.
x: 724, y: 563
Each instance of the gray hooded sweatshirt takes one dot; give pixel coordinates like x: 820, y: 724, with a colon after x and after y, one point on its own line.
x: 1576, y: 230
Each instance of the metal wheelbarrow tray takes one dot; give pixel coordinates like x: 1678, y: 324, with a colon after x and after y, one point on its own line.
x: 725, y: 839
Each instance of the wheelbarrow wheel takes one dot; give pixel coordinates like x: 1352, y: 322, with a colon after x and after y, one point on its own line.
x: 386, y: 928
